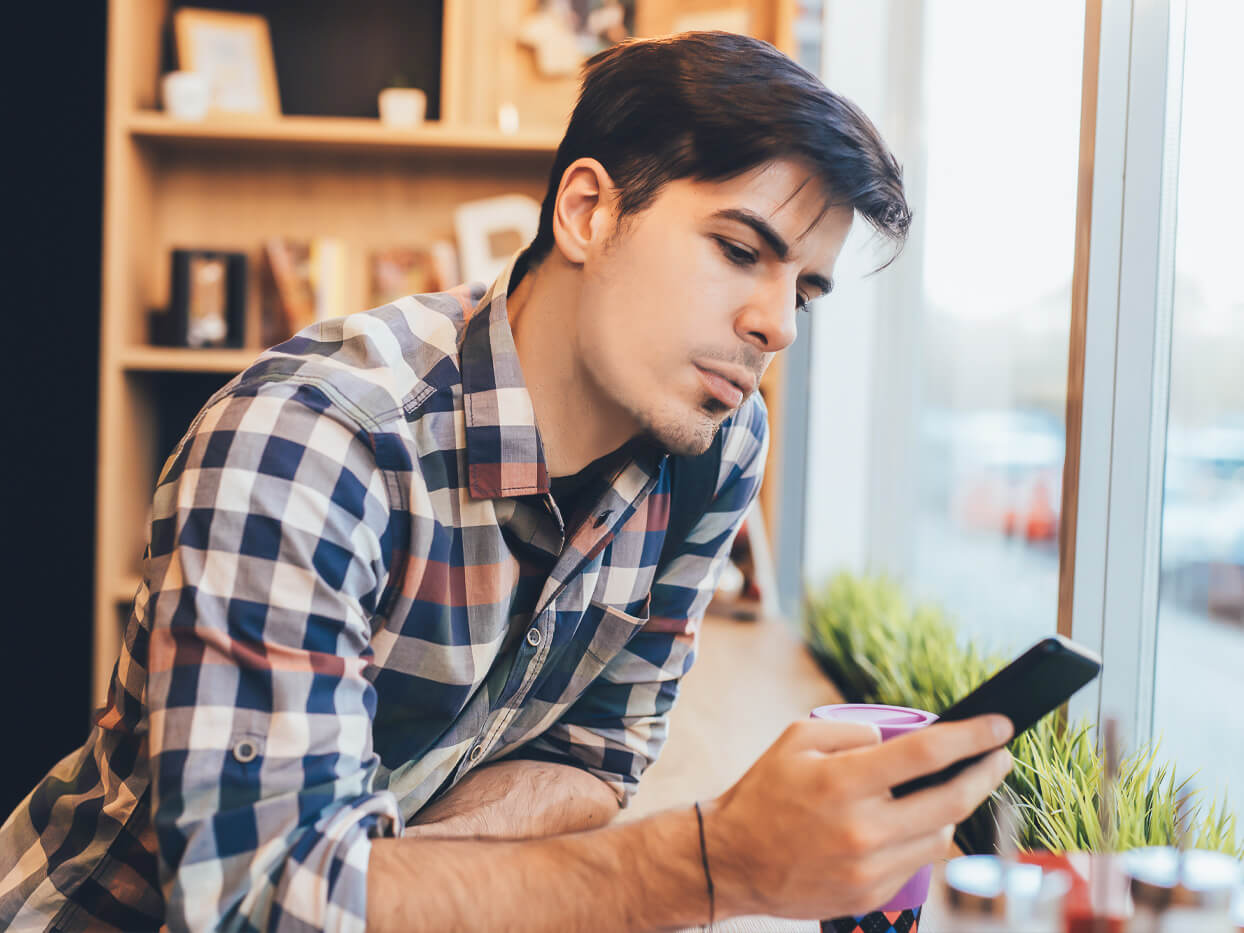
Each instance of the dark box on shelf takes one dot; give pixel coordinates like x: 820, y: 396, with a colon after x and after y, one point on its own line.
x: 207, y: 301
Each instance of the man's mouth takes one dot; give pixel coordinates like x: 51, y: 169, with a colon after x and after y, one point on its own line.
x: 729, y: 388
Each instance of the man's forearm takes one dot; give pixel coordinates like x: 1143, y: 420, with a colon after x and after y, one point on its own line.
x: 643, y: 875
x: 518, y: 800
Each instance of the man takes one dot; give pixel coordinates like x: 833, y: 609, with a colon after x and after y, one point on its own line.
x: 408, y: 576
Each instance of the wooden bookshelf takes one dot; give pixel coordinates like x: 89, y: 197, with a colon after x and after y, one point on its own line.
x: 184, y: 360
x: 338, y: 134
x: 231, y: 183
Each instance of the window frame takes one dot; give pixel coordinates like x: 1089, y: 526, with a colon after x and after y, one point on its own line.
x: 1126, y: 345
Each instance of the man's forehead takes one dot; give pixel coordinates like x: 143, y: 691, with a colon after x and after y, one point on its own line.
x: 788, y: 195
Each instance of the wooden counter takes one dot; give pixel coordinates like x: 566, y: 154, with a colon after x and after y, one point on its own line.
x: 750, y: 680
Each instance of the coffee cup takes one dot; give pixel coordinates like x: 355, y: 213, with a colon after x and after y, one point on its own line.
x: 901, y: 913
x: 186, y: 95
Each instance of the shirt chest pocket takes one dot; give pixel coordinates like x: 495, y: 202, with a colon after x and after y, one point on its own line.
x: 603, y: 631
x: 610, y: 629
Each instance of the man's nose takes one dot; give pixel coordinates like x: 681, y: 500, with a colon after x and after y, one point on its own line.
x: 768, y: 321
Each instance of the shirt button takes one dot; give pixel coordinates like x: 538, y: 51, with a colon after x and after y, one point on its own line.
x: 533, y: 637
x: 603, y: 517
x: 246, y: 751
x: 476, y: 752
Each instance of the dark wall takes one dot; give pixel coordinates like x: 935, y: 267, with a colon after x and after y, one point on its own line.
x: 53, y: 187
x: 331, y: 58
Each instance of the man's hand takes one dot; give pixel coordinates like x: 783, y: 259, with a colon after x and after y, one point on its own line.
x: 811, y: 830
x: 518, y: 799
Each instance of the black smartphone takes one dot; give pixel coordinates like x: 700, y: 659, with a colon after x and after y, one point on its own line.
x: 1037, y: 682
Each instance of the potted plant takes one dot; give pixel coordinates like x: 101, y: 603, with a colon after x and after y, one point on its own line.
x: 878, y: 649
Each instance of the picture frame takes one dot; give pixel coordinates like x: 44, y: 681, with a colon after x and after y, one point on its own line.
x: 234, y: 52
x: 397, y: 271
x: 489, y: 231
x: 599, y: 24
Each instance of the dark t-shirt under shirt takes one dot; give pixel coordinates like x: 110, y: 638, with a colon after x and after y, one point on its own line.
x: 568, y: 491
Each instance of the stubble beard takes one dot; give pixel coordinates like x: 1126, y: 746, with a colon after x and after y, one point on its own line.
x: 682, y: 429
x: 681, y: 435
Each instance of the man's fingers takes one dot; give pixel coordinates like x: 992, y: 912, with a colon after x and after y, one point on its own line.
x: 889, y: 868
x: 827, y: 736
x: 895, y: 821
x: 953, y: 801
x: 931, y: 749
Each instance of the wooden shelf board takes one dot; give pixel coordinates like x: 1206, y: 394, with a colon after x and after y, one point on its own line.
x: 339, y: 133
x: 126, y: 588
x: 185, y: 359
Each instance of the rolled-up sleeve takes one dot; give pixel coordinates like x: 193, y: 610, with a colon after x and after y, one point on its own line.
x: 618, y: 726
x: 267, y: 558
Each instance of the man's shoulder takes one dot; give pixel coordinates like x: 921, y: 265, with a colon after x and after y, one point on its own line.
x: 379, y: 364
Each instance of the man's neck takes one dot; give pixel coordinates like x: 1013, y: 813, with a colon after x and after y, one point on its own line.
x: 577, y: 423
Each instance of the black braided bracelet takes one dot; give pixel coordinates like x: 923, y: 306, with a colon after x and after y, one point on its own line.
x: 699, y: 817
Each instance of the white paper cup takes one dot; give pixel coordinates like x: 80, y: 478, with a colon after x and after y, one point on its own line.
x: 402, y: 106
x: 186, y: 95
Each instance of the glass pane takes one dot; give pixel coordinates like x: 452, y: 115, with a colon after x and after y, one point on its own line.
x: 1200, y: 649
x: 1003, y: 128
x: 982, y: 295
x: 808, y: 33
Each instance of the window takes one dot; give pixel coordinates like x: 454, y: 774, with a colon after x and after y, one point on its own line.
x: 1200, y: 625
x: 939, y: 389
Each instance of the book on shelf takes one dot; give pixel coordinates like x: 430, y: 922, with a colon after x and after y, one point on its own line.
x: 398, y: 271
x: 305, y: 283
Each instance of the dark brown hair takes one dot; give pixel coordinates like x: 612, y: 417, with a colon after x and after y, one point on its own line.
x: 710, y: 106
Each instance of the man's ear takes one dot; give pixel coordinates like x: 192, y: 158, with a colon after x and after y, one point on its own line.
x: 583, y: 217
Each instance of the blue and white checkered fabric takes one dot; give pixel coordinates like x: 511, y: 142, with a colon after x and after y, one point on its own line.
x: 357, y: 589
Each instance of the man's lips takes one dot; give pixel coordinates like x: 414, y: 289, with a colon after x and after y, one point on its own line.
x: 727, y: 386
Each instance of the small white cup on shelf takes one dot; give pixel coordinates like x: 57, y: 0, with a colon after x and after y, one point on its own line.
x: 402, y: 106
x: 186, y: 95
x: 507, y: 119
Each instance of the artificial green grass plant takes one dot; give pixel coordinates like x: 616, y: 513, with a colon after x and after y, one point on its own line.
x: 878, y: 649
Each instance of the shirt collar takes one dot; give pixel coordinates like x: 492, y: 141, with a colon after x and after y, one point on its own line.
x: 503, y: 450
x: 504, y: 454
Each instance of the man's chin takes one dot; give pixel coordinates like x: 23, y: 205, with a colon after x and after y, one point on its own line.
x: 688, y: 438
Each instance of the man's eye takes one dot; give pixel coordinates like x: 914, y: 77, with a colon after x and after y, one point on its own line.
x: 737, y: 255
x: 744, y: 257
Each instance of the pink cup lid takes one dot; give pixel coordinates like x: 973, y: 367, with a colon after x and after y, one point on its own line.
x: 891, y: 720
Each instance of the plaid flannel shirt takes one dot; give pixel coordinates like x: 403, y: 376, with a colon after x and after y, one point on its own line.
x: 356, y: 590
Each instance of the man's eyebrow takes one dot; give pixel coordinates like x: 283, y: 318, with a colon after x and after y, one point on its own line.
x: 772, y: 238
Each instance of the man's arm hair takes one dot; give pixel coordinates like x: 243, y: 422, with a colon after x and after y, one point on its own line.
x: 642, y: 875
x: 518, y: 800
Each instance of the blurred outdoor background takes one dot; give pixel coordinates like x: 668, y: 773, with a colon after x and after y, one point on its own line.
x: 954, y: 404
